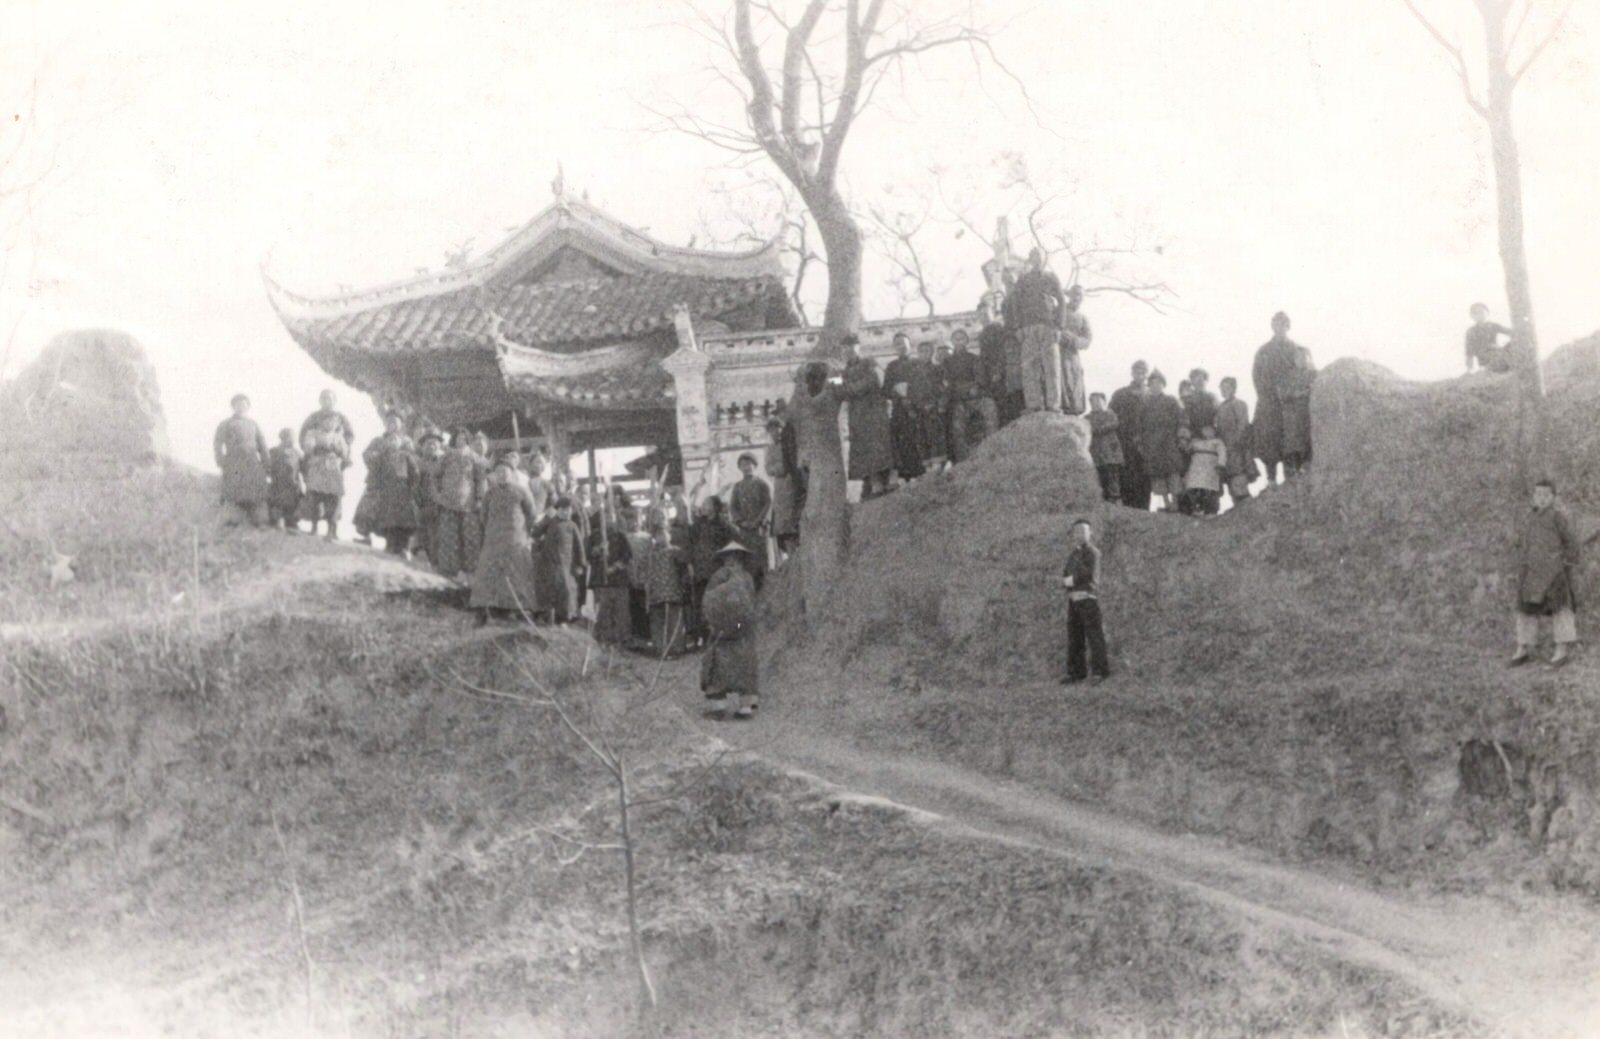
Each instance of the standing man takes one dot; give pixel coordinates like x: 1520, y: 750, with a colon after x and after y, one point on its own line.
x: 1081, y: 578
x: 1547, y: 562
x: 1161, y: 441
x: 1128, y: 403
x: 241, y: 452
x: 972, y: 413
x: 1200, y: 406
x: 1105, y: 447
x: 1233, y: 428
x: 1039, y: 306
x: 905, y: 423
x: 328, y: 419
x: 750, y: 507
x: 1483, y: 342
x: 1283, y: 373
x: 868, y: 413
x: 1075, y: 338
x: 926, y: 391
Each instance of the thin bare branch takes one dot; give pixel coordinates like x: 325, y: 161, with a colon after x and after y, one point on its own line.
x: 1544, y: 41
x: 1454, y: 51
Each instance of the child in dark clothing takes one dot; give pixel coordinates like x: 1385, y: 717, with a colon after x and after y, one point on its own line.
x: 1085, y: 629
x: 1105, y: 447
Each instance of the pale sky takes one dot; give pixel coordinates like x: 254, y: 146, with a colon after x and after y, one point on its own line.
x: 1312, y: 157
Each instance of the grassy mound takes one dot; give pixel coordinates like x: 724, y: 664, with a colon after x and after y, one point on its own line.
x: 1304, y: 672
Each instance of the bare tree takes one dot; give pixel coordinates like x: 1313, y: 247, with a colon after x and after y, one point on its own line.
x: 1097, y: 262
x: 895, y: 234
x: 803, y: 74
x: 757, y: 212
x: 1507, y: 60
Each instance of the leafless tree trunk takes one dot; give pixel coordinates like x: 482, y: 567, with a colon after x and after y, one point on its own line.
x: 798, y: 113
x: 1504, y: 72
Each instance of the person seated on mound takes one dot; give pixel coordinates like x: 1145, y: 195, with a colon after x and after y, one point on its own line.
x: 1202, y: 481
x: 1085, y: 627
x: 1483, y: 342
x: 1547, y: 564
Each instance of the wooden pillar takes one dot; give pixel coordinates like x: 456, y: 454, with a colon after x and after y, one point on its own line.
x: 594, y: 475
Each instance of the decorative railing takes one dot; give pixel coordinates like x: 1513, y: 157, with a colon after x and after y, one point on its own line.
x: 734, y: 349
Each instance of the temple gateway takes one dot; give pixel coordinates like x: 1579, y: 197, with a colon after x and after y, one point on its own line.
x: 579, y: 332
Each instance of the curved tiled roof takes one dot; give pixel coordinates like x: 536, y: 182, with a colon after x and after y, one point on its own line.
x: 591, y: 311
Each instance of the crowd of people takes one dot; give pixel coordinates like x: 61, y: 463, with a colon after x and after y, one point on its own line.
x: 677, y: 573
x: 660, y: 575
x: 928, y: 409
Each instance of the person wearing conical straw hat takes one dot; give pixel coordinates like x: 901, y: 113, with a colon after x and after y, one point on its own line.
x: 730, y: 665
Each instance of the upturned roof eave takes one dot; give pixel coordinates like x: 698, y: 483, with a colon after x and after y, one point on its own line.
x: 580, y: 220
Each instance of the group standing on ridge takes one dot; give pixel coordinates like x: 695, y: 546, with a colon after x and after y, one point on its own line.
x: 932, y: 404
x: 678, y: 572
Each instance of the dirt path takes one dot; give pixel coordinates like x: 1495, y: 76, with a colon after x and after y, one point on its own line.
x: 375, y: 572
x: 1529, y: 970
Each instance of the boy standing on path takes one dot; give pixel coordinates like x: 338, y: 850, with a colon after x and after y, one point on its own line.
x: 1081, y: 578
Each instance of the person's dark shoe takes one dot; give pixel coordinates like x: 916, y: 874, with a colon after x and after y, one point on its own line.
x: 1097, y: 679
x: 716, y: 695
x: 1521, y: 658
x: 1070, y: 680
x: 744, y: 714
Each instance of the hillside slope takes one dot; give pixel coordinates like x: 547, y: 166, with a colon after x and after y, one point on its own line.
x: 1318, y: 672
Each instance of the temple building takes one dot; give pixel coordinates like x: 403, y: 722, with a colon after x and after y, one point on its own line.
x: 580, y: 332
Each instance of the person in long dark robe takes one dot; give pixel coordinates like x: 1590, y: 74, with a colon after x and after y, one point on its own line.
x: 1283, y: 373
x: 1233, y: 428
x: 1547, y: 563
x: 750, y: 512
x: 789, y: 445
x: 709, y: 532
x: 609, y: 556
x: 639, y: 544
x: 392, y: 476
x: 929, y: 392
x: 561, y: 563
x: 459, y: 493
x: 502, y: 580
x: 665, y: 572
x: 1128, y: 403
x: 241, y: 453
x: 430, y: 459
x: 871, y: 457
x: 905, y: 422
x: 1200, y: 407
x: 785, y: 519
x: 1160, y: 441
x: 287, y: 485
x: 731, y: 666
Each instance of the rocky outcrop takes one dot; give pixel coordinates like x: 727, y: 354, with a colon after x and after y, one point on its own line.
x: 89, y: 393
